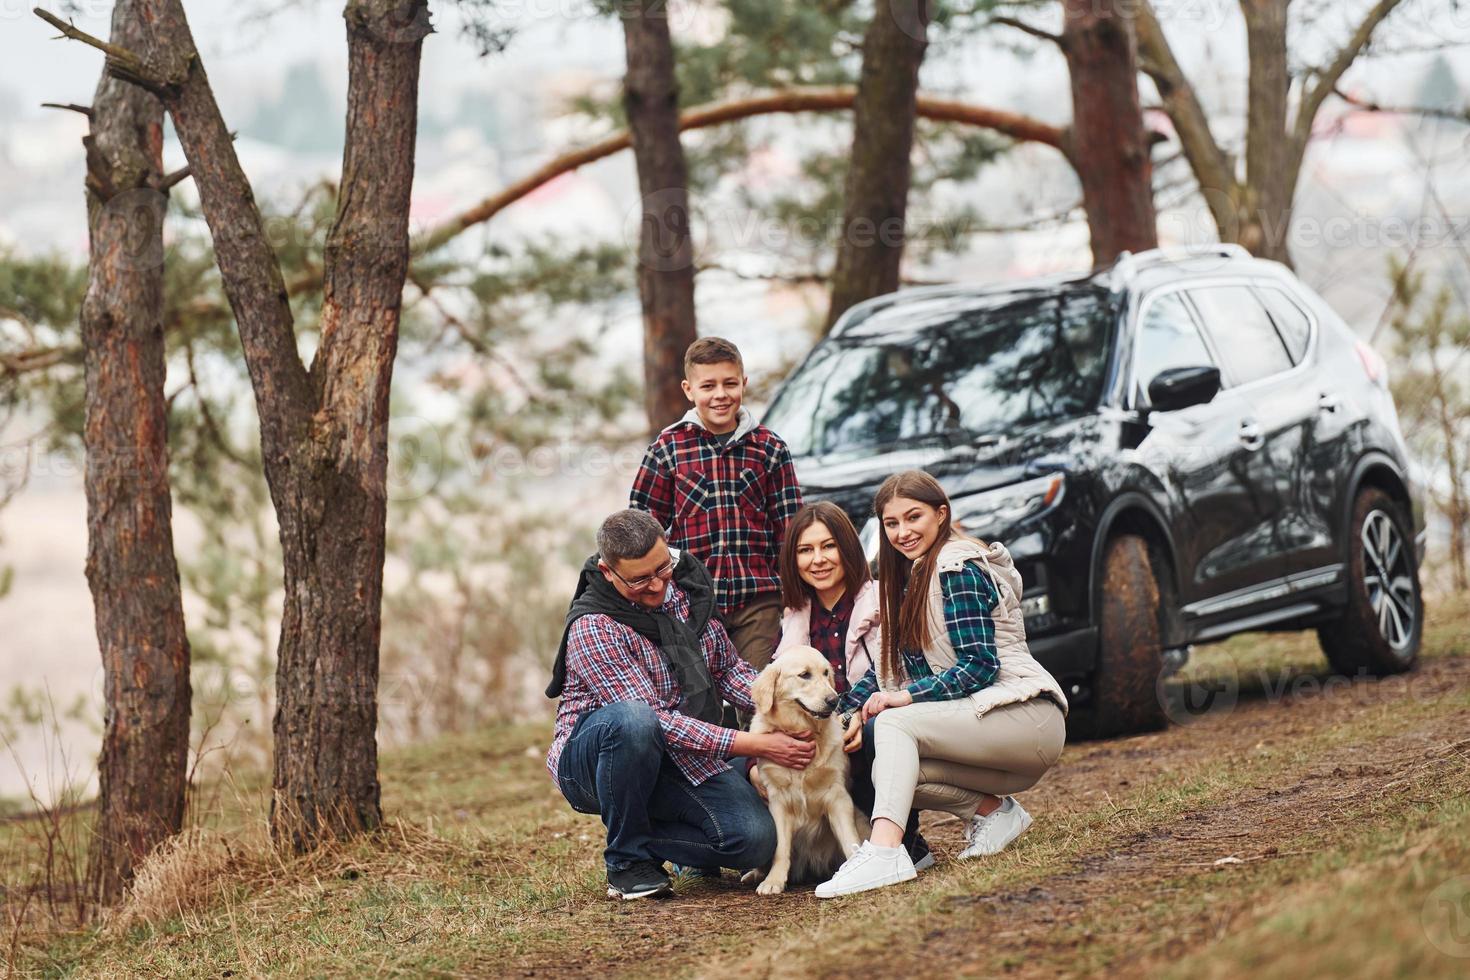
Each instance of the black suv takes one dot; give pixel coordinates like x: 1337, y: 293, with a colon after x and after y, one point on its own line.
x: 1186, y: 445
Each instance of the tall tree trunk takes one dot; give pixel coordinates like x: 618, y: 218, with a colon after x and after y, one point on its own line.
x: 324, y: 432
x: 1269, y: 169
x: 334, y: 530
x: 1109, y: 146
x: 665, y: 245
x: 877, y: 188
x: 131, y: 567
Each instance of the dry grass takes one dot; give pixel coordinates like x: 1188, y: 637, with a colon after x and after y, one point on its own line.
x: 485, y: 871
x: 182, y: 875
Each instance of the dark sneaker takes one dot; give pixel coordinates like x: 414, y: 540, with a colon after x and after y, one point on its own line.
x: 919, y: 852
x: 641, y: 879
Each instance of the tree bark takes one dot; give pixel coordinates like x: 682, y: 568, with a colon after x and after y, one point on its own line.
x: 875, y: 198
x: 324, y: 432
x: 665, y: 243
x: 1267, y: 198
x: 1109, y: 146
x: 131, y: 569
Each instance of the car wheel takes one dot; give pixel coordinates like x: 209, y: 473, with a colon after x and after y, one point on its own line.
x: 1124, y: 684
x: 1382, y: 624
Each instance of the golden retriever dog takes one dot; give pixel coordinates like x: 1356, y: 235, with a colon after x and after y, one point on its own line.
x: 817, y: 826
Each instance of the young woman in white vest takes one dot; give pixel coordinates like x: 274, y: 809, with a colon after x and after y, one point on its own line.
x: 964, y: 717
x: 831, y: 604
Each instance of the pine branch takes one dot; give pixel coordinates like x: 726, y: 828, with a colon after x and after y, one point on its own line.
x: 1025, y: 28
x: 121, y: 62
x: 69, y: 107
x: 1018, y: 127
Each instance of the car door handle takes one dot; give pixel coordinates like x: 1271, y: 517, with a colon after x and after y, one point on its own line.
x: 1328, y: 402
x: 1250, y: 435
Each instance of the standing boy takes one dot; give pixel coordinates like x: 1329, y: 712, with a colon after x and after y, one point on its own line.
x: 725, y: 488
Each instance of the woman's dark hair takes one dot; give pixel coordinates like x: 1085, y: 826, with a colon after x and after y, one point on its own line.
x: 794, y: 592
x: 903, y: 585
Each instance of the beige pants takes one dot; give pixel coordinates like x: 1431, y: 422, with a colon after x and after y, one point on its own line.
x: 937, y: 755
x: 754, y: 628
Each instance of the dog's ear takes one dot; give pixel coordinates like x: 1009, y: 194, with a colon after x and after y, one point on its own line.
x: 763, y: 691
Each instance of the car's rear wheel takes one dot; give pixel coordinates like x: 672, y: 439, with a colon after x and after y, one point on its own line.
x: 1383, y: 622
x: 1124, y: 685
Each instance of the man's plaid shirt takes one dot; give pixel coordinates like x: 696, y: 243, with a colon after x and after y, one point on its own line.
x: 608, y: 662
x: 727, y: 504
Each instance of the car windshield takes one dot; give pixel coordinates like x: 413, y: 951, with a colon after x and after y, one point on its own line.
x: 980, y: 373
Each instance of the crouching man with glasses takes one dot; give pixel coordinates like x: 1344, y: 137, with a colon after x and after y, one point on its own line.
x: 643, y: 667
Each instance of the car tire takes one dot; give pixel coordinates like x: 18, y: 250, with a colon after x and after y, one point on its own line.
x: 1124, y: 684
x: 1380, y: 628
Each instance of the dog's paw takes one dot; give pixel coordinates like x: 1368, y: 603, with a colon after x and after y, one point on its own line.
x: 754, y: 874
x: 771, y: 887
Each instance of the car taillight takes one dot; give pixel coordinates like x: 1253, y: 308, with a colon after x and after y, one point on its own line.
x: 1373, y: 364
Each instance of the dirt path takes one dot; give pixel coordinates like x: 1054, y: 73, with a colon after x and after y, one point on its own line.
x: 1021, y: 928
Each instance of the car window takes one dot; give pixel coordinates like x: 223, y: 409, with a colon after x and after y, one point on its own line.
x: 973, y: 371
x: 1293, y: 325
x: 1167, y: 339
x: 1243, y: 333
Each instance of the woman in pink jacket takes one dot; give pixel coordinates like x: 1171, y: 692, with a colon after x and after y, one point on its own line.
x: 831, y: 604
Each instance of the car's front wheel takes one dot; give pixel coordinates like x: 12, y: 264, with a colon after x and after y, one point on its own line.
x: 1383, y: 621
x: 1124, y: 685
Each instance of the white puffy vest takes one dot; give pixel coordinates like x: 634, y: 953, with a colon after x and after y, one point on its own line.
x: 1020, y: 677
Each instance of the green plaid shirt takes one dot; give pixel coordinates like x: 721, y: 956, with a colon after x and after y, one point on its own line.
x: 969, y: 596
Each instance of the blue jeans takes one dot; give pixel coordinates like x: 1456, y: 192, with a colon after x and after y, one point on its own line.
x: 615, y: 765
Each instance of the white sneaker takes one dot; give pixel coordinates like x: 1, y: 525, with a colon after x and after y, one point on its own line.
x: 869, y: 867
x: 991, y: 835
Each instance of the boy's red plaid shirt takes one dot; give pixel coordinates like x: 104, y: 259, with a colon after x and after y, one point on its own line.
x: 728, y: 504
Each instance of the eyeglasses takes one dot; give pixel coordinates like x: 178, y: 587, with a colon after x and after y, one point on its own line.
x: 642, y: 582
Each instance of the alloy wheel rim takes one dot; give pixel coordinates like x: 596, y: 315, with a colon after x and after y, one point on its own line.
x: 1389, y: 580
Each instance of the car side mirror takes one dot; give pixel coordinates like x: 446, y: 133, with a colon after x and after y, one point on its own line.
x: 1179, y: 388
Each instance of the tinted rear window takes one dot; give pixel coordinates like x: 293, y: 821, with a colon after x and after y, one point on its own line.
x: 1243, y: 333
x: 1293, y: 325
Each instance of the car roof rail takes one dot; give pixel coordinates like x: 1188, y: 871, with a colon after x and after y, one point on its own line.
x: 1130, y: 264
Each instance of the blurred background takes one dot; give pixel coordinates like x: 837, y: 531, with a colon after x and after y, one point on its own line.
x: 518, y: 417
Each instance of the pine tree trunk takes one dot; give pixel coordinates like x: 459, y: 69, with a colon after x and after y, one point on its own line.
x: 131, y: 569
x: 324, y: 432
x: 877, y: 188
x: 334, y: 515
x: 665, y: 245
x: 1270, y: 170
x: 1109, y: 146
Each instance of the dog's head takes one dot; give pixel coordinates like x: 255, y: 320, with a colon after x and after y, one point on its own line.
x: 797, y: 683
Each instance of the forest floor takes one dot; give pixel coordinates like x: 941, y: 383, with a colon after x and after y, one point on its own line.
x: 1304, y: 825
